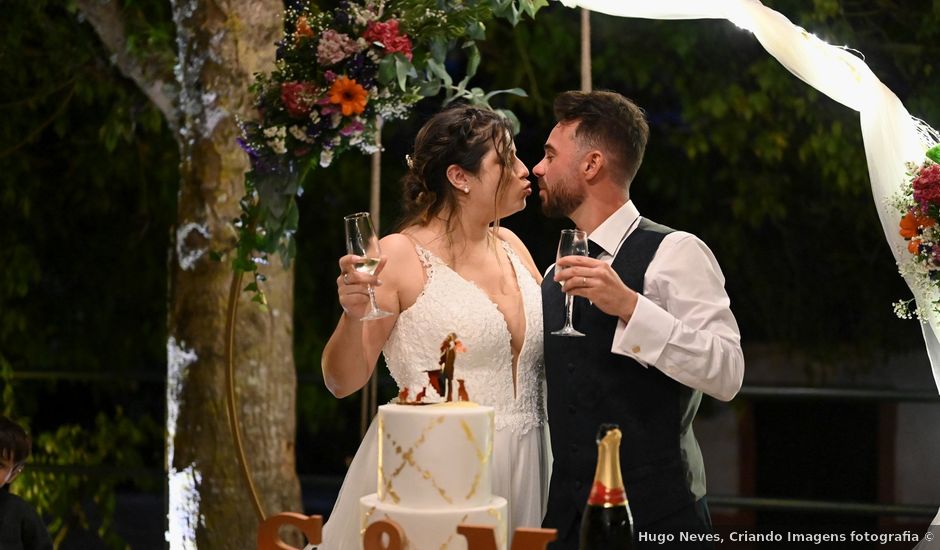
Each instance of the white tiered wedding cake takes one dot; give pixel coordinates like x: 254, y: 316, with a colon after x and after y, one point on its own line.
x: 434, y: 474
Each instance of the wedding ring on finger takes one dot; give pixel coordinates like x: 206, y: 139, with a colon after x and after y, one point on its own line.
x: 345, y: 278
x: 583, y: 281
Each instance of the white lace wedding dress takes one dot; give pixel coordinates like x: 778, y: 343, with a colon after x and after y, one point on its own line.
x: 521, y: 456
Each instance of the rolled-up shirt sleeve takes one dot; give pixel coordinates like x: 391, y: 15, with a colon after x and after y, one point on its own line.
x: 683, y: 323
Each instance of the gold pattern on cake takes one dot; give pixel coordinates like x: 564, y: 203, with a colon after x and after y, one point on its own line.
x: 383, y: 485
x: 446, y: 544
x: 502, y: 529
x: 364, y: 521
x: 386, y: 482
x: 482, y: 455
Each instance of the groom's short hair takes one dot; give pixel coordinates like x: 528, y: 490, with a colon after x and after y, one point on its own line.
x: 608, y: 121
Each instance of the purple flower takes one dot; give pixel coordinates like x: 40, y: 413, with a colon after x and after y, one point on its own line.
x: 354, y: 127
x: 362, y: 70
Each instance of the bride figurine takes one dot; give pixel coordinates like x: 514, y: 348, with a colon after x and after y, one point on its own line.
x: 451, y: 268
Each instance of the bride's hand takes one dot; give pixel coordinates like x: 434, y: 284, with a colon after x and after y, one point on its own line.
x: 353, y: 286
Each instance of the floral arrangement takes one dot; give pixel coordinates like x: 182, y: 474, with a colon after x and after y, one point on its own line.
x: 338, y: 76
x: 918, y: 202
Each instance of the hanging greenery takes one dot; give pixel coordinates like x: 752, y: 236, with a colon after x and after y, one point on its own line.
x: 339, y: 74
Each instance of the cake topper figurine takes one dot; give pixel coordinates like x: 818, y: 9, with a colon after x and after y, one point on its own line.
x: 441, y: 379
x: 450, y: 347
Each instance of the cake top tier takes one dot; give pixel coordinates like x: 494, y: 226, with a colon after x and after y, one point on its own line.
x: 435, y: 455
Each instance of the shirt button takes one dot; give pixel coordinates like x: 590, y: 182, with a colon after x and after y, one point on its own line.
x: 636, y: 349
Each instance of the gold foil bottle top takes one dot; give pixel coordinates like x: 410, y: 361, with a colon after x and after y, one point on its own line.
x: 607, y: 489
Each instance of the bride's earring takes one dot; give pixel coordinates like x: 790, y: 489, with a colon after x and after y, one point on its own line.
x: 466, y: 189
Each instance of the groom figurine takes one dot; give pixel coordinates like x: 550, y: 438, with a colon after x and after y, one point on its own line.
x: 659, y: 329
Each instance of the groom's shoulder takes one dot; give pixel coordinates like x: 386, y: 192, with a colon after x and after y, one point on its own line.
x: 647, y: 224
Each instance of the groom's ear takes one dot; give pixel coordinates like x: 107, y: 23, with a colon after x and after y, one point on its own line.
x: 592, y: 164
x: 456, y: 176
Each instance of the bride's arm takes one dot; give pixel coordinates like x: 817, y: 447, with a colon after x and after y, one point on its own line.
x: 352, y: 351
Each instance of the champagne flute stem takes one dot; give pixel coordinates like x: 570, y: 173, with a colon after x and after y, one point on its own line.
x: 569, y: 302
x: 375, y: 306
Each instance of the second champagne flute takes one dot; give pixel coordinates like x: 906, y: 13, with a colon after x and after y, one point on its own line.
x: 573, y: 242
x: 361, y: 240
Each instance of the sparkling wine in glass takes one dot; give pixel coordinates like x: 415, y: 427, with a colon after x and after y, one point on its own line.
x: 362, y: 241
x: 573, y: 242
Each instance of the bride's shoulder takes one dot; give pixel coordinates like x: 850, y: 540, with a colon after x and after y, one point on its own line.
x: 400, y: 248
x: 520, y: 249
x: 398, y: 242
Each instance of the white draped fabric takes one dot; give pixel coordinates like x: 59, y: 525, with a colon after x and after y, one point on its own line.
x: 892, y: 137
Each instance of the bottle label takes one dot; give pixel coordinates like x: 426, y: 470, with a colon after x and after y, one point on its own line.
x: 602, y: 496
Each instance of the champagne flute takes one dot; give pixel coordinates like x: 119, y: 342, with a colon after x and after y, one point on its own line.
x: 573, y: 242
x: 362, y: 241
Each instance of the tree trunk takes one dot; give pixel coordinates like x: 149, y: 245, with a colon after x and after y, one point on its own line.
x: 220, y: 46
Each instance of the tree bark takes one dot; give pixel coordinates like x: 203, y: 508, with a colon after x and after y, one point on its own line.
x: 220, y: 46
x: 154, y: 77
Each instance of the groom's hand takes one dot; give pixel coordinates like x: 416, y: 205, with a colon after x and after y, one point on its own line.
x: 598, y: 282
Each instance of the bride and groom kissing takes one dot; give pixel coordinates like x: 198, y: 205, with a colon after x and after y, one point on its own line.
x: 658, y: 327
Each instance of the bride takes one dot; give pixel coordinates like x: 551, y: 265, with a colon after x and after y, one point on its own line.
x: 452, y: 268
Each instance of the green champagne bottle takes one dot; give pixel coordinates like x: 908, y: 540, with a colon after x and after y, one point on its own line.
x: 607, y: 523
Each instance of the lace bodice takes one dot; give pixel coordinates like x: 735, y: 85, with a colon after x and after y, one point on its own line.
x: 449, y: 303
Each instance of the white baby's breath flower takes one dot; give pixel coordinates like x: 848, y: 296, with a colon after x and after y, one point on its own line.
x: 275, y: 131
x: 278, y: 145
x: 299, y: 134
x: 326, y: 158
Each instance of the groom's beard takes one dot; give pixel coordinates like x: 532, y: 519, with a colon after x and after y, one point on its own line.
x: 561, y: 200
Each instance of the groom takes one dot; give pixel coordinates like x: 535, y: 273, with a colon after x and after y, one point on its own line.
x: 659, y: 329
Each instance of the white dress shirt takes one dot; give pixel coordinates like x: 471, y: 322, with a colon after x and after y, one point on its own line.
x: 683, y: 323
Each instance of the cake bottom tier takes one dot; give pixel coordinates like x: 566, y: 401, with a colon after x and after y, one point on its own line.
x: 436, y: 529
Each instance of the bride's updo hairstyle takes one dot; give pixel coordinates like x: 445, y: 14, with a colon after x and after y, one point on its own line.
x: 460, y: 135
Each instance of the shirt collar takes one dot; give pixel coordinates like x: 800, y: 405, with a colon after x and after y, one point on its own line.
x: 611, y: 233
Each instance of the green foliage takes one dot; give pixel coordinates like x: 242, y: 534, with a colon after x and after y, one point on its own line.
x: 110, y: 449
x: 87, y: 189
x: 300, y: 95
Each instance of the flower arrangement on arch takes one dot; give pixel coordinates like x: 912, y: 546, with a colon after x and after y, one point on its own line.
x: 338, y: 76
x: 918, y: 202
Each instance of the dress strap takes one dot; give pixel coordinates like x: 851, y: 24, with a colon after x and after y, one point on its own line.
x: 424, y: 255
x: 510, y: 251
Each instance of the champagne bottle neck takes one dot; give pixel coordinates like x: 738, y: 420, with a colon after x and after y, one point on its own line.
x: 607, y: 489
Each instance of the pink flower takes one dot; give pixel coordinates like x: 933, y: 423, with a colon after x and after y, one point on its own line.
x: 335, y: 47
x: 299, y: 98
x: 386, y: 33
x: 927, y: 185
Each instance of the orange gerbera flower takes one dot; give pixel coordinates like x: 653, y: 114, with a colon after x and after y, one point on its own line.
x: 911, y: 223
x: 349, y: 95
x: 908, y: 225
x: 302, y: 29
x: 913, y: 246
